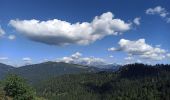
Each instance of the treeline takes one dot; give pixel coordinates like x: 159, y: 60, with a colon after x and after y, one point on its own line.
x: 131, y: 82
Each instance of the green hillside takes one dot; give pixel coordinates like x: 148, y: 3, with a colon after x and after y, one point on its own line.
x: 42, y: 71
x: 132, y: 82
x: 4, y: 69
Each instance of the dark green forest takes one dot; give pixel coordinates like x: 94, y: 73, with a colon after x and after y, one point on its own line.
x: 130, y: 82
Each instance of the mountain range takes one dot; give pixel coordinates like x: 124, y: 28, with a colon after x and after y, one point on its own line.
x: 64, y: 81
x: 4, y: 69
x: 41, y: 71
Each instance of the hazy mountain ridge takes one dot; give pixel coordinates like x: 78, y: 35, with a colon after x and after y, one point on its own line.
x: 45, y: 70
x: 4, y: 69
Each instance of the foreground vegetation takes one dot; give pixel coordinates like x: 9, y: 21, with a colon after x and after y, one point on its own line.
x: 131, y: 82
x: 16, y: 88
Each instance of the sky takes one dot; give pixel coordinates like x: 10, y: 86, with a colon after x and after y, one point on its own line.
x: 84, y: 31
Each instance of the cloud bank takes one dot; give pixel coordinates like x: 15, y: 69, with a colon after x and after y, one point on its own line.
x: 77, y: 58
x: 3, y: 58
x: 140, y: 48
x: 58, y: 32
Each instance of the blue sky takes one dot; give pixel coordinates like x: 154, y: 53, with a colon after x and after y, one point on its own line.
x: 25, y: 46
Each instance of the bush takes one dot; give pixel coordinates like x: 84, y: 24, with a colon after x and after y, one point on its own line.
x: 17, y: 88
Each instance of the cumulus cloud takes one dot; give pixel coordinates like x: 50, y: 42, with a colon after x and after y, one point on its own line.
x: 58, y: 32
x: 77, y: 58
x: 158, y: 10
x: 11, y: 37
x: 142, y: 49
x: 76, y: 55
x: 2, y: 32
x: 137, y: 20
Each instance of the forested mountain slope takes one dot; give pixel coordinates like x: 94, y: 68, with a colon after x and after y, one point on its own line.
x: 131, y: 82
x: 4, y: 69
x: 43, y: 71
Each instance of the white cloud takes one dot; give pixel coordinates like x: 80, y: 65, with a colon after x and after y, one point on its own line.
x: 91, y: 61
x: 158, y: 10
x: 3, y: 58
x: 12, y: 37
x: 111, y: 56
x: 57, y: 32
x: 131, y: 60
x: 2, y: 32
x: 67, y: 60
x: 76, y: 55
x: 27, y: 60
x: 128, y: 58
x: 113, y: 49
x: 77, y: 58
x: 46, y: 60
x: 168, y: 55
x: 138, y: 61
x: 142, y: 49
x: 137, y: 20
